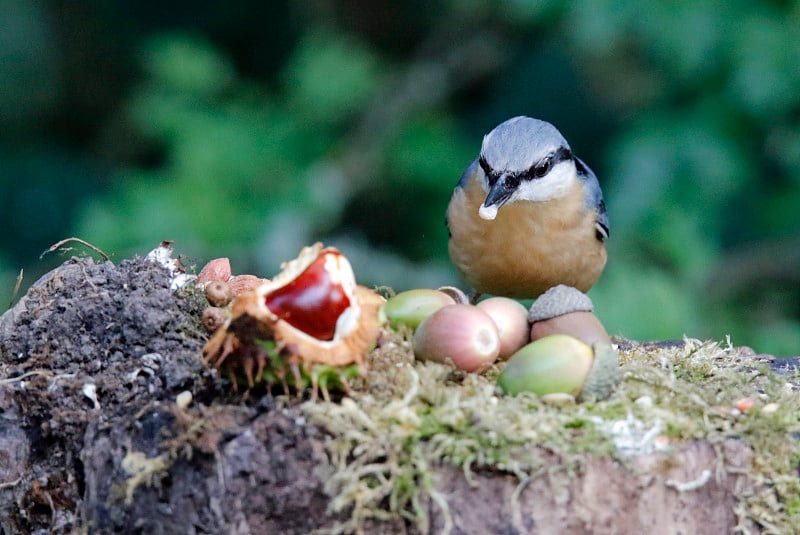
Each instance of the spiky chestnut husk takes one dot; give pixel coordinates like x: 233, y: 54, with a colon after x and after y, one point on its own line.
x: 312, y: 315
x: 411, y: 307
x: 296, y: 378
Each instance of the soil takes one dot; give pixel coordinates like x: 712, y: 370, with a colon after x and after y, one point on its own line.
x: 93, y: 361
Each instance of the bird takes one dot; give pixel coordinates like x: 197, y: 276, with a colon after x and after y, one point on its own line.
x: 527, y: 214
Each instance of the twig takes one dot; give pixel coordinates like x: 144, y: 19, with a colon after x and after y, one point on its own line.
x: 516, y: 511
x: 46, y: 373
x: 10, y: 483
x: 687, y: 486
x: 57, y: 245
x: 16, y: 288
x: 25, y: 375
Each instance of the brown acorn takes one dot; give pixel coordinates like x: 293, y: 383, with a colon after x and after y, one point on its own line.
x: 566, y: 310
x: 512, y: 323
x: 463, y: 334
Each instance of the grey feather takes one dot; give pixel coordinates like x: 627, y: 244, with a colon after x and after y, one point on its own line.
x: 594, y: 196
x: 520, y: 142
x: 467, y: 174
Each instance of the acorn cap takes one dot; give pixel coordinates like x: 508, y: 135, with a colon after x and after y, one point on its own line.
x: 604, y: 375
x: 557, y: 301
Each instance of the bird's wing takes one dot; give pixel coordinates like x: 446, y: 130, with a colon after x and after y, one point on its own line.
x: 462, y: 183
x: 594, y: 197
x: 468, y: 172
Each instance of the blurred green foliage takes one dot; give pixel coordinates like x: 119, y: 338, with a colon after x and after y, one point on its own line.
x: 248, y: 131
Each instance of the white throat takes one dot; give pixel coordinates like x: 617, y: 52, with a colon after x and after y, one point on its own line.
x: 555, y: 184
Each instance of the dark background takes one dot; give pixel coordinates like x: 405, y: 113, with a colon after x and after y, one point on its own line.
x: 249, y: 129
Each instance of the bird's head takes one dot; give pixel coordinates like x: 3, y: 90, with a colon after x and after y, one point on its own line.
x: 524, y: 159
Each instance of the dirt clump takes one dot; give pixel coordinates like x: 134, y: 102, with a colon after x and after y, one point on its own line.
x: 92, y: 359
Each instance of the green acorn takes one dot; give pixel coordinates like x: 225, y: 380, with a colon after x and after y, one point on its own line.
x: 562, y: 364
x: 411, y: 307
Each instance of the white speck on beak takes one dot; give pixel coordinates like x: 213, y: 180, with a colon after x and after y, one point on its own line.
x: 488, y: 212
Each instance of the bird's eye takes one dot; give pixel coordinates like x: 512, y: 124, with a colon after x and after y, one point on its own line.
x: 542, y: 168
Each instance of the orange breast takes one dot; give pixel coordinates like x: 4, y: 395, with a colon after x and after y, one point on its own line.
x: 529, y: 248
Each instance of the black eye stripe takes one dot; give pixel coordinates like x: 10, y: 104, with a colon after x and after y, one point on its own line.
x: 487, y: 171
x: 543, y: 167
x: 563, y: 153
x: 538, y: 170
x: 491, y: 174
x: 485, y: 166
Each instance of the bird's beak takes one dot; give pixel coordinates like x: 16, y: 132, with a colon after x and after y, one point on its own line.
x: 497, y: 197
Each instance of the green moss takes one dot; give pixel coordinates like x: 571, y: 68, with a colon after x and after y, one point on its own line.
x: 409, y: 416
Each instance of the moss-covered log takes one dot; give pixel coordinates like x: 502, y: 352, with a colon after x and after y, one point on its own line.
x: 698, y: 437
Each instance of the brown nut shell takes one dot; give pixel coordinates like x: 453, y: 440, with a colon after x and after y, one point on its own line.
x: 242, y: 283
x: 582, y: 325
x: 218, y: 269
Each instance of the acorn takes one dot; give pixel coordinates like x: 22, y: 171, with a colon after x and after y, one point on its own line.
x: 218, y: 293
x: 604, y: 376
x: 213, y: 318
x: 511, y: 319
x: 411, y: 307
x: 463, y: 334
x: 562, y: 364
x: 566, y: 310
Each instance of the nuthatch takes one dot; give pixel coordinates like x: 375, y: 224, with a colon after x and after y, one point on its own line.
x: 527, y: 214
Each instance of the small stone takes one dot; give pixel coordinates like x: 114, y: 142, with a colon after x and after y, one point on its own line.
x: 744, y: 404
x: 558, y: 398
x: 184, y: 399
x: 770, y: 408
x: 90, y: 391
